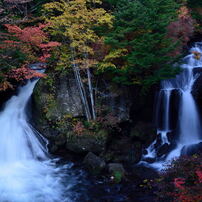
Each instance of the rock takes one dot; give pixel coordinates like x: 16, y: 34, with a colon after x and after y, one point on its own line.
x: 55, y: 100
x: 164, y: 149
x: 52, y: 148
x: 61, y: 96
x: 116, y: 99
x: 158, y: 141
x: 142, y: 172
x: 117, y: 171
x: 192, y: 149
x: 174, y: 108
x: 196, y: 55
x: 116, y: 167
x: 144, y: 132
x: 150, y: 160
x: 94, y: 163
x: 122, y: 149
x: 171, y: 136
x: 86, y: 143
x: 197, y: 89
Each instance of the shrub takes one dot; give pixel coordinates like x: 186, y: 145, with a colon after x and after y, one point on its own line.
x: 182, y: 180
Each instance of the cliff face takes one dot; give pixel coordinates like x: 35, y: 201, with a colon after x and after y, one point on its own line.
x: 57, y: 107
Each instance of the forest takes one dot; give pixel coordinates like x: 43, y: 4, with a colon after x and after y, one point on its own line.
x: 115, y: 89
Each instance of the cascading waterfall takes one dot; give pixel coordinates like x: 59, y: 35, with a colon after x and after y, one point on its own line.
x: 26, y: 172
x: 188, y: 127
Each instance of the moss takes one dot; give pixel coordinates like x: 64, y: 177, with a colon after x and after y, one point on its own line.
x: 86, y: 142
x: 118, y: 176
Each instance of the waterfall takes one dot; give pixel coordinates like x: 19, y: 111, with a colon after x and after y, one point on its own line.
x: 188, y: 126
x: 27, y: 174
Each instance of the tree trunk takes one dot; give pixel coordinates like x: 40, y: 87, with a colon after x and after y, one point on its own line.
x: 81, y: 89
x: 91, y: 94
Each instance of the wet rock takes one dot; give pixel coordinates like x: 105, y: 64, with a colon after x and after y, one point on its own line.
x: 197, y: 70
x: 164, y: 149
x: 56, y: 142
x: 174, y: 108
x: 196, y: 55
x: 116, y: 167
x: 117, y: 171
x: 170, y: 136
x: 144, y: 152
x: 192, y: 149
x: 52, y: 148
x: 150, y: 160
x: 158, y: 141
x: 94, y: 163
x: 197, y: 89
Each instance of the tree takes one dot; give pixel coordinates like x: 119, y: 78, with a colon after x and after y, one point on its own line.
x: 20, y: 47
x: 182, y: 29
x: 17, y: 6
x: 76, y: 21
x: 139, y: 45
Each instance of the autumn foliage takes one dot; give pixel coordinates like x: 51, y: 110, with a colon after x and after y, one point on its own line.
x: 30, y: 39
x: 182, y: 29
x: 182, y: 181
x: 23, y: 73
x: 31, y: 44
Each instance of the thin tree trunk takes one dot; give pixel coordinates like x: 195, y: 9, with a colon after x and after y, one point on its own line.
x: 81, y: 90
x: 91, y: 94
x: 90, y: 88
x: 84, y: 95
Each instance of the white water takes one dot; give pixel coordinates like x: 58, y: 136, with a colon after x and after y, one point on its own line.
x: 26, y: 172
x: 188, y: 126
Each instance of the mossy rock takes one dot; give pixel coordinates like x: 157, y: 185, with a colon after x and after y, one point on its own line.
x: 87, y: 143
x: 117, y: 171
x: 54, y: 98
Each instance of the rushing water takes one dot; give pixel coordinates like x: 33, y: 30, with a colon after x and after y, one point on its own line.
x: 27, y: 174
x: 188, y: 127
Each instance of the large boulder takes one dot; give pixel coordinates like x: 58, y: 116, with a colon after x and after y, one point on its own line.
x: 192, y: 149
x: 116, y: 168
x: 117, y: 171
x: 87, y: 142
x: 93, y: 163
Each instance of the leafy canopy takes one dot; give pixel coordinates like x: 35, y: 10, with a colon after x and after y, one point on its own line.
x: 139, y: 46
x: 75, y: 21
